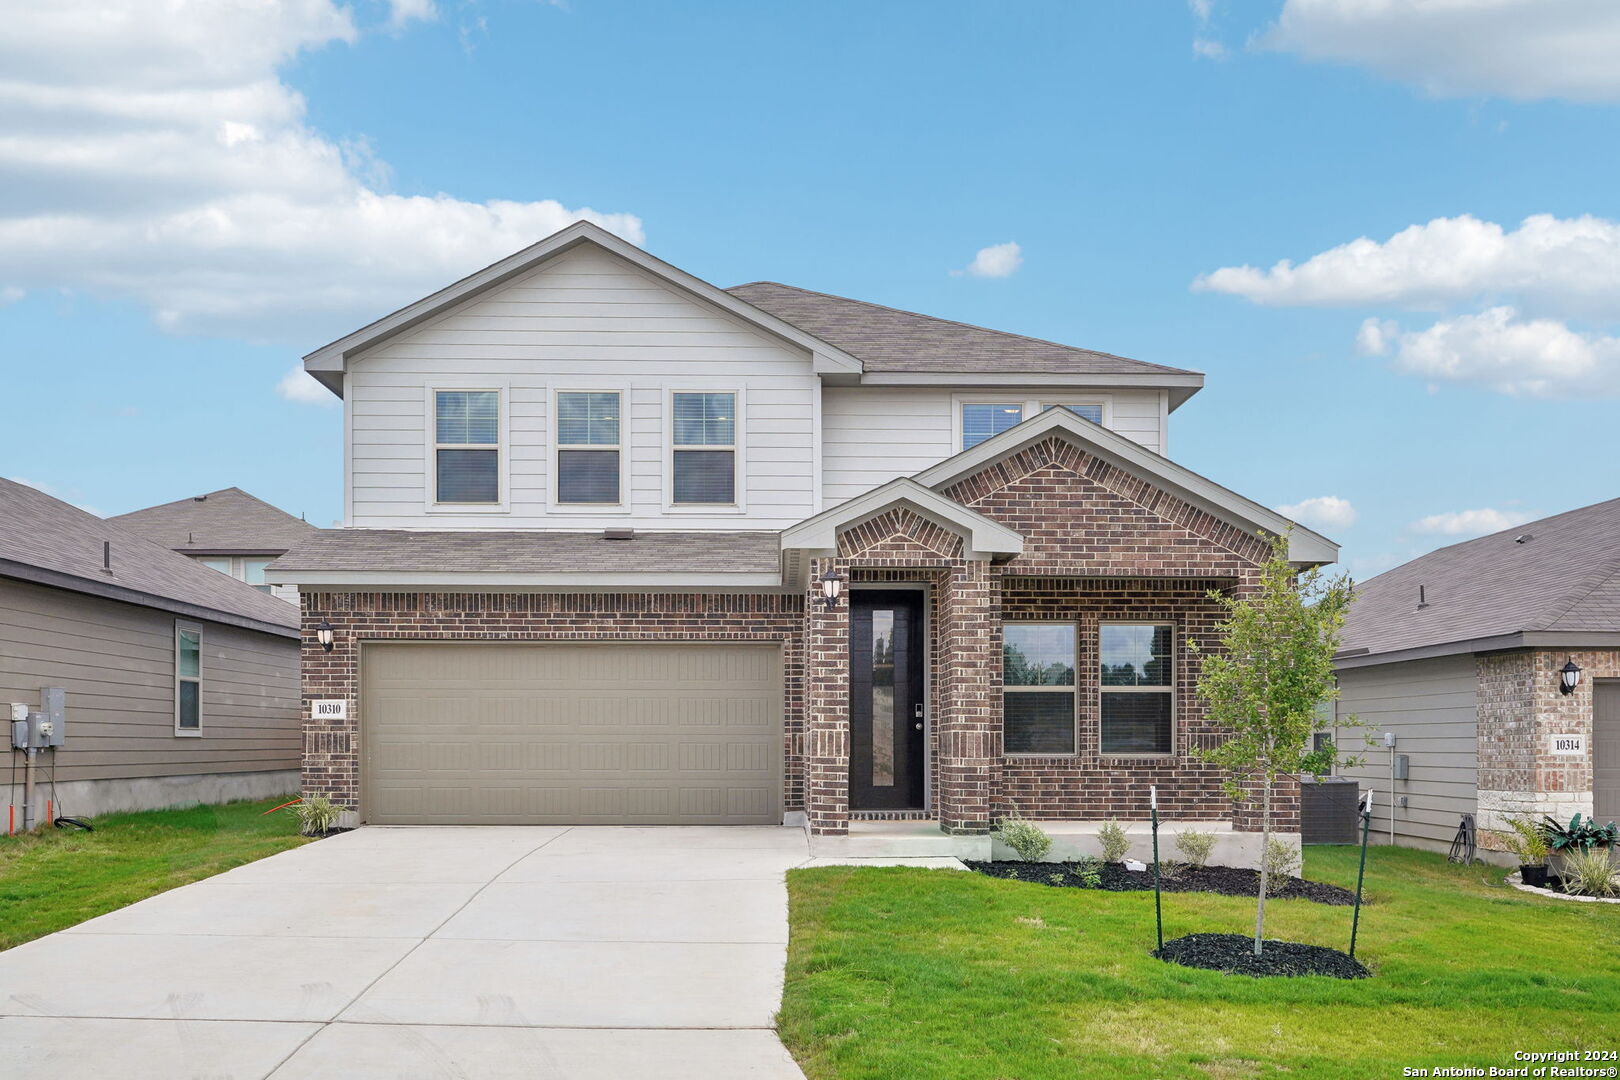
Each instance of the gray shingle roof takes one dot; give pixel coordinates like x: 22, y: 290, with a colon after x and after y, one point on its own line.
x: 889, y: 339
x: 46, y: 540
x: 1566, y: 576
x: 230, y: 520
x: 410, y: 551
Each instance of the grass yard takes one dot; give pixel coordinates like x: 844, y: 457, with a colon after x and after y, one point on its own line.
x: 902, y: 973
x: 56, y: 878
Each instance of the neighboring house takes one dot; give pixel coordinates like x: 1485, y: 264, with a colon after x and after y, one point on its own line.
x: 1460, y: 655
x: 229, y: 531
x: 181, y: 684
x: 591, y: 504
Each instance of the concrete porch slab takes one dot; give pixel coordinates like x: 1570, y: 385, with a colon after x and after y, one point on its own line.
x: 898, y: 839
x: 926, y: 862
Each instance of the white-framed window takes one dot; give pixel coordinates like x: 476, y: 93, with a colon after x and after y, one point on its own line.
x: 981, y: 416
x: 248, y: 568
x: 253, y: 572
x: 1038, y: 688
x: 467, y: 447
x: 589, y: 447
x: 703, y: 448
x: 188, y: 674
x: 1136, y: 683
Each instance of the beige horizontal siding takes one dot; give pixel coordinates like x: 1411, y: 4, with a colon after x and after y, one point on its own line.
x: 116, y: 662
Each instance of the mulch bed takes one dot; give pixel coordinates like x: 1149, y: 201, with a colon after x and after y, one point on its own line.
x: 1233, y: 954
x: 328, y: 832
x: 1225, y: 880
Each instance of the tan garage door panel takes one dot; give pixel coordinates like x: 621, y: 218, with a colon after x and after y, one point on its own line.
x: 629, y: 734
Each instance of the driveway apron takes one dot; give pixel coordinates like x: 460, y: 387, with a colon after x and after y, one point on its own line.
x: 471, y: 952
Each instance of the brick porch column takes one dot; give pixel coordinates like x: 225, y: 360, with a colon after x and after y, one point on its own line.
x: 826, y: 706
x: 969, y: 722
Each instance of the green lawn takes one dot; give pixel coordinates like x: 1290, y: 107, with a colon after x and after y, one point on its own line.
x: 56, y: 878
x: 932, y: 973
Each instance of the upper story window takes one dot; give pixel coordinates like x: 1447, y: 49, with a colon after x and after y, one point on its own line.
x: 1037, y: 678
x: 1094, y: 413
x: 588, y: 447
x: 466, y: 446
x: 705, y: 448
x: 250, y: 570
x: 1137, y: 679
x: 980, y: 420
x: 187, y: 679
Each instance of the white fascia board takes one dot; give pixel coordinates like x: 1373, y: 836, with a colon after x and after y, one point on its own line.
x: 332, y: 357
x: 985, y: 537
x: 1181, y: 385
x: 1306, y: 548
x: 481, y: 581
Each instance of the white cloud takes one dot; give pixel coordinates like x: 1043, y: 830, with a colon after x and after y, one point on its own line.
x: 1375, y: 335
x: 149, y: 151
x: 1322, y: 511
x: 1201, y: 9
x: 299, y: 386
x: 404, y: 11
x: 1522, y: 49
x: 1209, y: 48
x: 1568, y: 265
x: 1469, y: 523
x: 995, y: 261
x: 1525, y: 358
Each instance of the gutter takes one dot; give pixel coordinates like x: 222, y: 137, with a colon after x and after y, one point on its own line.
x: 38, y: 575
x: 1523, y: 639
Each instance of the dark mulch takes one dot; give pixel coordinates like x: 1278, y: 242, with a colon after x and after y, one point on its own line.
x: 1225, y: 880
x: 1234, y: 955
x: 328, y: 832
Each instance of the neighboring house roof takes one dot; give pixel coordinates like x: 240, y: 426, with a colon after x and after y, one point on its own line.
x: 327, y: 363
x: 522, y: 559
x: 49, y: 542
x: 1551, y: 582
x: 887, y: 339
x: 226, y: 522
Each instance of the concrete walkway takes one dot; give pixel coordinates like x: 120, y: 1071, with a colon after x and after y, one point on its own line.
x: 428, y: 952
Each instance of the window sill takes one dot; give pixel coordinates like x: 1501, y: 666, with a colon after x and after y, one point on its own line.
x: 193, y: 734
x: 1026, y: 755
x: 704, y: 508
x: 1170, y: 758
x: 468, y: 508
x: 587, y: 509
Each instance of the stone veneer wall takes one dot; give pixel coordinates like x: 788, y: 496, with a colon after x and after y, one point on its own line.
x: 332, y: 747
x: 1520, y: 707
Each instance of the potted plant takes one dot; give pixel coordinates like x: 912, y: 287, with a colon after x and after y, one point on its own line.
x: 1579, y: 836
x: 1528, y: 842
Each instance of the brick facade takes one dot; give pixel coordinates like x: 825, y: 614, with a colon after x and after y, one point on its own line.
x: 1099, y: 544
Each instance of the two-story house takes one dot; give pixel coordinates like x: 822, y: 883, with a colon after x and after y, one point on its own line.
x: 625, y: 547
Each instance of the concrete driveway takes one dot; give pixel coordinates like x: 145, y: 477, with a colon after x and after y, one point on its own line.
x: 428, y: 952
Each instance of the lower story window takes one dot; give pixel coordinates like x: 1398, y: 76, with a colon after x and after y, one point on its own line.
x: 1137, y: 676
x: 187, y: 679
x: 1037, y: 678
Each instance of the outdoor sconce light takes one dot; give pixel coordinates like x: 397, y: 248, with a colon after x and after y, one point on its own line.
x: 832, y: 586
x: 323, y: 634
x: 1569, y: 677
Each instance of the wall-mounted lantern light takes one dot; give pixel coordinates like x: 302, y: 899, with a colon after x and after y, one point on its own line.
x: 323, y: 634
x: 1569, y: 677
x: 832, y: 587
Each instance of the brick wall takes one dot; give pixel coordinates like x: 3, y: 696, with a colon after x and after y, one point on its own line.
x: 332, y: 748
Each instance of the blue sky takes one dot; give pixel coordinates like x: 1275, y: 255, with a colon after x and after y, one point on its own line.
x: 191, y: 200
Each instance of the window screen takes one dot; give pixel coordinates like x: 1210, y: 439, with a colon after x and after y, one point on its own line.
x: 707, y: 421
x: 1037, y: 676
x: 979, y: 422
x: 1137, y: 675
x: 467, y: 434
x: 588, y: 447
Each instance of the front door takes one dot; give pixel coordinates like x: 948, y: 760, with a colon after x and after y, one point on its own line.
x: 886, y: 699
x: 1606, y: 749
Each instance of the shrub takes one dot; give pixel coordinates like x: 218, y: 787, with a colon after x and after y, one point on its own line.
x: 1581, y: 834
x: 1024, y: 837
x: 1526, y: 840
x: 1088, y: 871
x: 1196, y: 846
x: 1589, y: 873
x: 1171, y: 869
x: 1282, y: 859
x: 1114, y: 841
x: 318, y: 815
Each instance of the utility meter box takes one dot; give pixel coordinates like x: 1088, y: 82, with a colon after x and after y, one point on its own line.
x: 1403, y: 766
x: 53, y: 703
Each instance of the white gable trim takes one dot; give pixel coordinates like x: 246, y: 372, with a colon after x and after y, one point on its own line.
x: 985, y: 539
x: 1306, y: 547
x: 328, y: 362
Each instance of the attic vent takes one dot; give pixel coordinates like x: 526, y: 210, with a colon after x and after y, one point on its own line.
x: 1523, y: 538
x: 618, y: 534
x: 199, y: 498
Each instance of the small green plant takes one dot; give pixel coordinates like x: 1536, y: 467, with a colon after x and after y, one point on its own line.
x: 1589, y: 873
x: 1525, y: 839
x: 1581, y: 834
x: 1281, y: 860
x: 1114, y: 841
x: 1024, y: 837
x: 1088, y: 871
x: 1171, y: 869
x: 1197, y: 846
x: 318, y: 815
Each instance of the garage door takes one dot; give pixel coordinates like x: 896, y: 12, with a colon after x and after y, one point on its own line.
x: 614, y: 734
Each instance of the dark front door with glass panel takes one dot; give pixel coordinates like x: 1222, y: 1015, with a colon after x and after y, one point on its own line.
x: 886, y: 700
